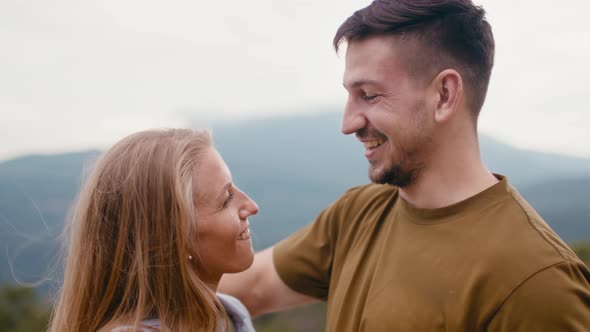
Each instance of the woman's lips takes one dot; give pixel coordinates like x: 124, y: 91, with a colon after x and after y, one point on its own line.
x: 245, y: 234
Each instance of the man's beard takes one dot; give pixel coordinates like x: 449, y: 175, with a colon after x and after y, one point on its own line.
x: 404, y: 171
x: 397, y: 174
x: 394, y: 175
x: 405, y: 168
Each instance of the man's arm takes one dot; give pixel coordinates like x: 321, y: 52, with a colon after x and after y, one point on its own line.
x: 261, y: 289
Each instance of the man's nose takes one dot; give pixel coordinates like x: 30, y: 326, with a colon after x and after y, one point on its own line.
x: 352, y: 119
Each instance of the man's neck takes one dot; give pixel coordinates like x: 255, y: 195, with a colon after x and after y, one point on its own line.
x: 449, y: 183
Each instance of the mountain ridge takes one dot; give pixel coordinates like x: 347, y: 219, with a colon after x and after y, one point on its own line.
x: 292, y: 167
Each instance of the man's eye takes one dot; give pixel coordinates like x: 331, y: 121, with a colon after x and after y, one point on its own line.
x: 368, y: 97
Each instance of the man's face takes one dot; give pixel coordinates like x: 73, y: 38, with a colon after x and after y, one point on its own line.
x: 387, y: 110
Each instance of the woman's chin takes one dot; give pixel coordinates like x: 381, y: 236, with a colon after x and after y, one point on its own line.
x: 249, y: 259
x: 244, y: 262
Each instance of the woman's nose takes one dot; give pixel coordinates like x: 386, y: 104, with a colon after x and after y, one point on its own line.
x: 252, y: 206
x: 248, y: 208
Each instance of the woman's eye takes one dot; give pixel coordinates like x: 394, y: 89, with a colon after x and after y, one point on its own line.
x: 229, y: 198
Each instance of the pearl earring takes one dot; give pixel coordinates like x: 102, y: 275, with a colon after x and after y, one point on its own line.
x: 190, y: 258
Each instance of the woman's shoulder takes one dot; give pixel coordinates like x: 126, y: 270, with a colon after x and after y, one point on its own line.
x: 150, y: 325
x: 237, y: 313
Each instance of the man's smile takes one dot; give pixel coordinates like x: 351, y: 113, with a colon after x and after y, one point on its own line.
x: 371, y: 144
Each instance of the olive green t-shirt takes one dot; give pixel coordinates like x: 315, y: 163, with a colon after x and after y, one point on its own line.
x: 489, y: 263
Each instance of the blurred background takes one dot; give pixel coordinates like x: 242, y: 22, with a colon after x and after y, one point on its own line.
x: 76, y: 76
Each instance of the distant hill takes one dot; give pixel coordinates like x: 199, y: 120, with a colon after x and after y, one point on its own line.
x: 35, y: 194
x: 525, y: 167
x: 292, y: 167
x: 304, y: 163
x: 314, y: 147
x: 564, y: 204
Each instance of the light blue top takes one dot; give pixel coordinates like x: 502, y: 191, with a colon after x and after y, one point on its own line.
x: 236, y: 311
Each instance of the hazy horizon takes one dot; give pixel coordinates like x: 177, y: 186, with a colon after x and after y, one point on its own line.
x: 241, y: 122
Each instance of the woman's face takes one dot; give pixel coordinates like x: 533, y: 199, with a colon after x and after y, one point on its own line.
x: 223, y: 238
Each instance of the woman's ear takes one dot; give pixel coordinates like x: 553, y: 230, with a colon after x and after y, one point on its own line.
x: 448, y: 87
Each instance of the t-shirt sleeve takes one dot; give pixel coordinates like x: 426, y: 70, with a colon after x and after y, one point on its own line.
x: 304, y: 260
x: 554, y: 299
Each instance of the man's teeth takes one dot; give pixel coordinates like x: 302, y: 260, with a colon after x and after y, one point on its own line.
x: 373, y: 144
x: 245, y: 235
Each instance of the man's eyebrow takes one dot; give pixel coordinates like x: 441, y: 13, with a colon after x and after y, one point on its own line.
x: 358, y: 83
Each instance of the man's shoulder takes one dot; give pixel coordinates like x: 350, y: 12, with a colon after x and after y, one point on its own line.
x: 521, y: 244
x: 368, y: 194
x: 553, y: 299
x: 531, y: 224
x: 356, y: 207
x: 361, y: 202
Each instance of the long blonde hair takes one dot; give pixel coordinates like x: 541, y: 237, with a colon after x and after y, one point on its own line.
x: 129, y: 237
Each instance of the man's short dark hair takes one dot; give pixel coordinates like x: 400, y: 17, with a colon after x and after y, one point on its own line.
x: 438, y: 34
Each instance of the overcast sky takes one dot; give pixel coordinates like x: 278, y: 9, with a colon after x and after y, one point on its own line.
x: 81, y: 74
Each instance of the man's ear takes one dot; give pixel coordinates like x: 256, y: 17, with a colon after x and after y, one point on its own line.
x: 448, y: 87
